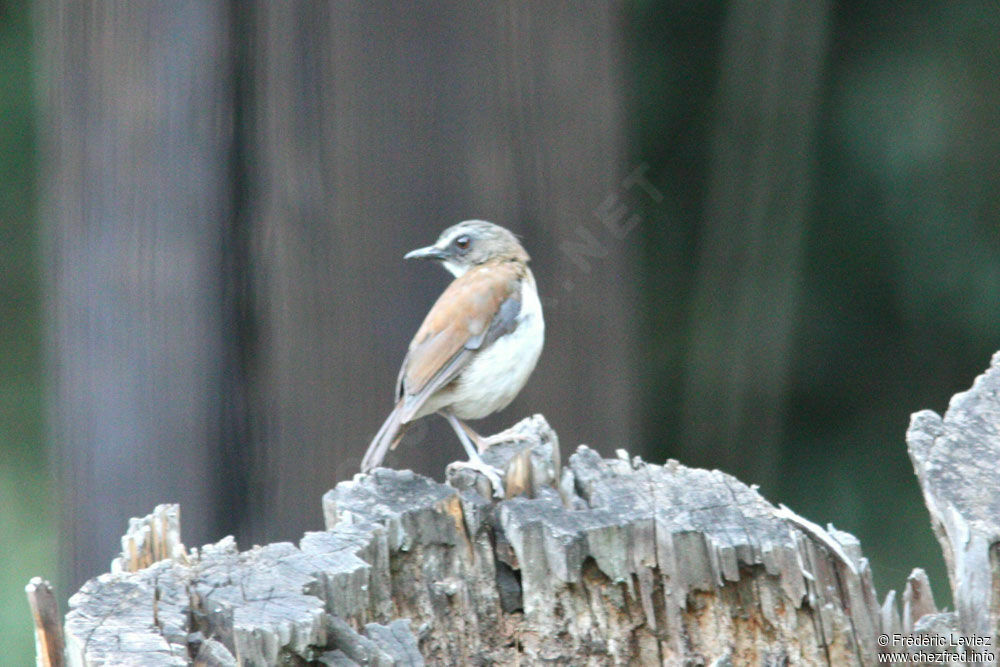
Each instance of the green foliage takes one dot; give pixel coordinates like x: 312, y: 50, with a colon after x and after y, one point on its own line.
x: 27, y: 506
x: 897, y: 308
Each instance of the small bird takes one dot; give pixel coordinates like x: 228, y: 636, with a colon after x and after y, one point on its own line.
x: 478, y: 344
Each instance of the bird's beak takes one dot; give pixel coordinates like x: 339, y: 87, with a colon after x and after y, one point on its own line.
x: 430, y: 252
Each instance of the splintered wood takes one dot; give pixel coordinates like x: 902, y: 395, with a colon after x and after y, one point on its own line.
x: 599, y: 561
x: 956, y: 458
x: 48, y: 628
x: 151, y: 539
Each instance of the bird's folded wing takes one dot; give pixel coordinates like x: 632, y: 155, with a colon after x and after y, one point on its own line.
x: 469, y: 315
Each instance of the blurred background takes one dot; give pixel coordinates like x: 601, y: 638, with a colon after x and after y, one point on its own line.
x: 764, y: 233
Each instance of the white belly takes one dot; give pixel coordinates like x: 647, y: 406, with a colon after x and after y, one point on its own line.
x: 496, y: 375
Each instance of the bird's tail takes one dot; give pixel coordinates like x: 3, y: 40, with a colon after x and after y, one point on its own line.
x: 386, y: 438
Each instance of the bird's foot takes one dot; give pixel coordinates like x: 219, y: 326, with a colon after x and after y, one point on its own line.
x: 489, y: 472
x: 485, y: 442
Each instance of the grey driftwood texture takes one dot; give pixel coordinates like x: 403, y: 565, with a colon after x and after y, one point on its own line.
x: 598, y: 561
x: 957, y: 460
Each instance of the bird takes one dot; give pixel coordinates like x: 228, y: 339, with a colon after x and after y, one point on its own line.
x: 477, y: 346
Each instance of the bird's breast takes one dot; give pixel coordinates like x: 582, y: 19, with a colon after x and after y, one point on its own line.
x: 496, y: 374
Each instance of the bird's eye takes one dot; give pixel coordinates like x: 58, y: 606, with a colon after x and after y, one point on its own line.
x: 462, y: 242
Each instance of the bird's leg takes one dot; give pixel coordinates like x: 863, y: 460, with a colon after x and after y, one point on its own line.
x: 475, y: 462
x: 485, y: 442
x: 464, y: 433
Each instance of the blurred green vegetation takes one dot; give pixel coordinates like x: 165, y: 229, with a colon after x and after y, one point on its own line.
x: 897, y: 304
x: 27, y: 504
x: 897, y: 308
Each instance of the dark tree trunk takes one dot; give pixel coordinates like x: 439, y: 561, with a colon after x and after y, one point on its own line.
x: 136, y: 139
x: 751, y: 250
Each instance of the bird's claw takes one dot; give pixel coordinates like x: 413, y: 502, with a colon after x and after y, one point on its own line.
x: 488, y: 471
x: 485, y: 442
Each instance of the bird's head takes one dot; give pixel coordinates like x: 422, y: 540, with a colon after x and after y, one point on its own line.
x: 470, y: 243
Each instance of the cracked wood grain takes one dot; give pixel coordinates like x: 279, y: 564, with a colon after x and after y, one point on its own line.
x: 590, y: 561
x: 956, y: 460
x: 596, y: 561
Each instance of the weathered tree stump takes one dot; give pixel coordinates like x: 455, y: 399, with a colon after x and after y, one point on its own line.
x: 957, y: 461
x: 600, y: 561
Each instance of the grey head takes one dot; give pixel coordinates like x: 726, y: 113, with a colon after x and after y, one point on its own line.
x: 471, y: 243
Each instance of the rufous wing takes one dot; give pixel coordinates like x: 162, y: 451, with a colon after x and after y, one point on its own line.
x: 468, y: 316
